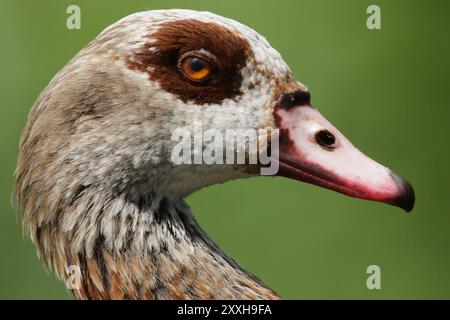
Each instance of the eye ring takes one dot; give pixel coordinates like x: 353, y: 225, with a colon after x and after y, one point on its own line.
x: 198, y: 67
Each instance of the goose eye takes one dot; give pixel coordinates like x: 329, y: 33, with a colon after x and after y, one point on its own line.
x: 195, y: 68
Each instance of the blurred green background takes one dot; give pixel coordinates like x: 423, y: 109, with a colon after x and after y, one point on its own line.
x: 387, y: 90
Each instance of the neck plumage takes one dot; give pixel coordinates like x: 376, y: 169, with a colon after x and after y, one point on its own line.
x: 149, y: 247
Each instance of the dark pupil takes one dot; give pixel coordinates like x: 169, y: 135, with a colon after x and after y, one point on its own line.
x: 325, y: 138
x: 196, y: 64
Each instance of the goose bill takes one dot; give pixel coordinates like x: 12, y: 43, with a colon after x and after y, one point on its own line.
x: 338, y: 166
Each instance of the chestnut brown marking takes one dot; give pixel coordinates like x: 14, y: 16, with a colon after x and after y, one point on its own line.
x: 254, y: 169
x: 288, y: 94
x: 159, y: 59
x: 276, y: 118
x: 286, y: 143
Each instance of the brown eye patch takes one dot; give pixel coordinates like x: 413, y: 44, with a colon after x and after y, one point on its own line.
x: 160, y: 58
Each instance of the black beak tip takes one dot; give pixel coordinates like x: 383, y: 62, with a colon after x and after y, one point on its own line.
x: 407, y: 196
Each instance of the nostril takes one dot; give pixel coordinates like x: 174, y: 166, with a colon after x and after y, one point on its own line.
x: 325, y: 139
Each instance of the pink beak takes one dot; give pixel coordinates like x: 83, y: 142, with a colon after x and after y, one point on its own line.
x: 314, y: 151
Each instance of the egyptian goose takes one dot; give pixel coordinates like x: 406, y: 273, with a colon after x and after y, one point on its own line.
x: 95, y: 182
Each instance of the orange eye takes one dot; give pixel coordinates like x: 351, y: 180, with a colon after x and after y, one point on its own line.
x: 196, y: 68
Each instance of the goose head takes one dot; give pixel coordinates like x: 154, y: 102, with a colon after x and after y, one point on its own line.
x: 97, y: 169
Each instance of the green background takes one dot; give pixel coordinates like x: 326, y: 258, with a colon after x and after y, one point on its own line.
x: 387, y: 90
